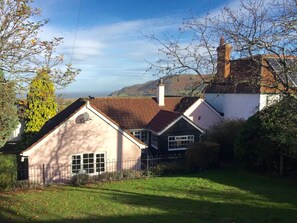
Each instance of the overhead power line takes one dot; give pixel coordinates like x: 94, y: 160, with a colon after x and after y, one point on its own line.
x: 75, y: 34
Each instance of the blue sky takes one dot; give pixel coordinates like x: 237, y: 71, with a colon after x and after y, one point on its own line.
x: 110, y: 47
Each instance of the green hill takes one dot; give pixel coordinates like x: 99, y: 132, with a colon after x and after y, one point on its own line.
x: 177, y: 85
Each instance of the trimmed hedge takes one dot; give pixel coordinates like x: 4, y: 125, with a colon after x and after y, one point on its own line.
x: 8, y: 171
x: 203, y: 155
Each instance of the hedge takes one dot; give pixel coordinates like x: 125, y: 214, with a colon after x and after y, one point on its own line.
x: 203, y: 155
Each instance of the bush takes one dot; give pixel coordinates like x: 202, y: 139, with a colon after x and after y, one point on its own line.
x: 225, y: 134
x: 80, y: 179
x: 268, y: 137
x: 254, y: 150
x: 203, y: 155
x: 84, y: 178
x: 8, y: 171
x: 168, y: 168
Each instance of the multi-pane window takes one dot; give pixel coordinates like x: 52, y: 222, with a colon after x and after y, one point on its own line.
x: 154, y: 141
x: 179, y: 142
x: 76, y: 163
x: 142, y: 135
x: 88, y: 163
x: 100, y: 163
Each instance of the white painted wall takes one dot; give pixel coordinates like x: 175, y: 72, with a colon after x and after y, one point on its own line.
x: 235, y: 106
x: 70, y: 138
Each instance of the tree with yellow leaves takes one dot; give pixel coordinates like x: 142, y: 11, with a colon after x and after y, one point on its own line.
x: 41, y: 102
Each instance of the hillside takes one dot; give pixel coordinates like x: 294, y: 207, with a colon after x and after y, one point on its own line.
x: 174, y: 85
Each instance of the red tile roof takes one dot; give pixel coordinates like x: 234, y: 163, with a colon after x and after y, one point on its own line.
x: 252, y: 75
x: 137, y: 113
x: 162, y: 120
x: 128, y: 113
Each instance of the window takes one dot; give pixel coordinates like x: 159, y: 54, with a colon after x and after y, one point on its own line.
x: 179, y: 142
x: 154, y: 141
x: 76, y: 163
x: 100, y: 163
x: 142, y: 135
x: 89, y: 163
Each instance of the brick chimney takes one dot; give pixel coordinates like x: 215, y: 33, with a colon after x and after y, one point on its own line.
x: 161, y: 93
x: 224, y: 53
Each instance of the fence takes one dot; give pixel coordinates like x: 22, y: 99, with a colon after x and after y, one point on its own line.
x: 58, y: 173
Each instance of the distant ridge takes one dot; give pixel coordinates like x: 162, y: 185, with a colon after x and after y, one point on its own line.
x: 177, y: 85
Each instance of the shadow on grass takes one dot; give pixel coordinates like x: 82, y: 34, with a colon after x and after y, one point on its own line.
x: 191, y: 203
x: 275, y: 189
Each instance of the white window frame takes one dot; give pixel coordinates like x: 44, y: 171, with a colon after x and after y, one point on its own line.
x: 186, y: 139
x: 142, y: 135
x: 154, y: 144
x: 82, y: 163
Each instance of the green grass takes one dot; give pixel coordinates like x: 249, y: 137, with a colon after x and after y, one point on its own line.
x: 213, y: 196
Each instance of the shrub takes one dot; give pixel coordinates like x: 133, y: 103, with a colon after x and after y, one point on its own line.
x: 268, y: 137
x: 80, y: 179
x: 84, y: 178
x: 168, y: 168
x: 8, y: 171
x: 203, y: 155
x: 225, y: 134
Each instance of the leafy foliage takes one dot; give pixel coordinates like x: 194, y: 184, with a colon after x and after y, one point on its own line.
x: 225, y: 134
x: 203, y: 155
x: 8, y: 110
x: 8, y: 171
x: 22, y: 51
x: 40, y: 101
x: 267, y: 136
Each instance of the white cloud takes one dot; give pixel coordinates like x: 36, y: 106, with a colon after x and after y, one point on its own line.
x: 112, y: 56
x: 117, y: 50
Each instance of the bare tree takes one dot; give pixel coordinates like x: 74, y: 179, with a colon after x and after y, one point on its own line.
x: 254, y: 28
x: 21, y: 49
x: 177, y: 56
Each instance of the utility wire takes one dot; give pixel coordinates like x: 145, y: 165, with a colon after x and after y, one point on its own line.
x: 75, y: 34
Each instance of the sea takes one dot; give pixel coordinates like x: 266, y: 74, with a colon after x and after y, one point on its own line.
x: 82, y: 94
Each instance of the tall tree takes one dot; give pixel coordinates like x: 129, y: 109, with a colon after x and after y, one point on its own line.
x: 41, y: 103
x: 22, y: 51
x: 253, y: 27
x: 8, y: 110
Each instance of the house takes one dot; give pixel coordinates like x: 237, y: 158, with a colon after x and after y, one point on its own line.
x: 90, y: 133
x: 80, y: 137
x: 246, y: 85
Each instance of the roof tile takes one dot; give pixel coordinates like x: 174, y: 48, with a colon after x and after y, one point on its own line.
x: 137, y: 113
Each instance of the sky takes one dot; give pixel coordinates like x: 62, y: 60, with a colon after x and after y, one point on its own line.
x: 106, y: 38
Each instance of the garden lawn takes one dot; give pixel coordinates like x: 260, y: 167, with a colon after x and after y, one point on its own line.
x: 214, y: 196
